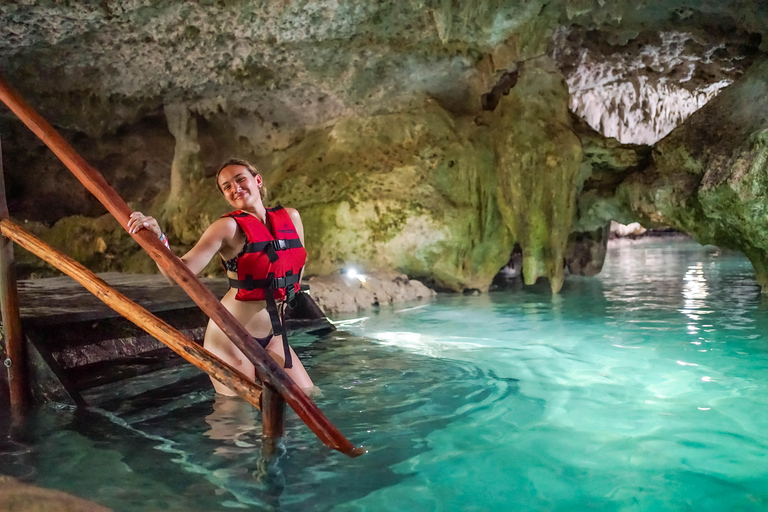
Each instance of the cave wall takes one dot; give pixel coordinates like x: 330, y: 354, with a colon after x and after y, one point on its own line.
x: 710, y: 176
x: 439, y: 195
x: 370, y: 118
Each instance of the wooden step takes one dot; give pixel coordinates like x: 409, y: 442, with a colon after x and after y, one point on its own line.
x: 82, y: 353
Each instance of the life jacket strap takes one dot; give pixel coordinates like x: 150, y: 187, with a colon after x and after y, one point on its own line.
x: 272, y: 246
x: 276, y: 318
x: 249, y: 283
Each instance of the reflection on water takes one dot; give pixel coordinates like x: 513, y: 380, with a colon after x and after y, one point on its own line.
x: 642, y: 389
x: 234, y: 423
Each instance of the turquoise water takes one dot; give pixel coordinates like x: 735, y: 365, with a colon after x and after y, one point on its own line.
x: 642, y: 389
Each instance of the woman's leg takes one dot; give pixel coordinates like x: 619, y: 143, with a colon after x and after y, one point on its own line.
x: 217, y: 343
x: 255, y: 318
x: 297, y: 372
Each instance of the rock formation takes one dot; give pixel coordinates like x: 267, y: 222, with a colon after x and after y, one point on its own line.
x: 341, y: 293
x: 709, y: 177
x: 16, y: 495
x: 430, y: 138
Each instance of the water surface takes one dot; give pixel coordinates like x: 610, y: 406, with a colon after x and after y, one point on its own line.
x: 642, y: 389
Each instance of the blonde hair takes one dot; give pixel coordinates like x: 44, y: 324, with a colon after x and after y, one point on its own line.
x: 251, y: 169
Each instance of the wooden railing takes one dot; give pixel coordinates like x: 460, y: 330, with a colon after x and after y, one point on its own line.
x: 274, y: 379
x: 9, y: 306
x: 158, y: 328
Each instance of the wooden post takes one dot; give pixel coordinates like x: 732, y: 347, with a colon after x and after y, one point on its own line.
x: 14, y: 342
x: 272, y: 419
x: 267, y: 371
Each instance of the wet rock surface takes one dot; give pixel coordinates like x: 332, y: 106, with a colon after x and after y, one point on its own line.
x: 16, y: 495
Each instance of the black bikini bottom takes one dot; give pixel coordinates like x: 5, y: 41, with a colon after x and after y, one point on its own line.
x: 264, y: 341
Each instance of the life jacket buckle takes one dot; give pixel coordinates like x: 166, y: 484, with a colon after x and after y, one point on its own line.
x: 280, y: 244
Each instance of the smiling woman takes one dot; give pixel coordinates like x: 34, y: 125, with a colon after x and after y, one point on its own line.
x: 262, y: 250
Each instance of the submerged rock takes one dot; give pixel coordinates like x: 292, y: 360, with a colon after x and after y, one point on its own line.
x: 16, y: 495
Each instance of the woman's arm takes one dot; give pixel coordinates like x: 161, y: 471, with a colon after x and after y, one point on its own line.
x: 219, y: 235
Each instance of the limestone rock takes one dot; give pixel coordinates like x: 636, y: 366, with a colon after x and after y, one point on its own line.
x: 366, y: 116
x: 585, y: 253
x: 605, y: 164
x: 637, y: 85
x: 339, y: 293
x: 411, y: 191
x: 624, y: 230
x: 439, y: 196
x: 709, y: 175
x: 538, y: 162
x: 15, y: 495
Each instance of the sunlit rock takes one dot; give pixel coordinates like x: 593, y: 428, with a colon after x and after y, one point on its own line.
x: 342, y: 293
x: 708, y: 176
x: 637, y: 86
x: 624, y: 230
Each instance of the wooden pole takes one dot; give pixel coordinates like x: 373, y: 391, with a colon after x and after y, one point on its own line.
x: 266, y: 369
x: 9, y: 299
x: 272, y: 414
x: 156, y: 327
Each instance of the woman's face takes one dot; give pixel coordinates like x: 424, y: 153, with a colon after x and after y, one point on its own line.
x: 239, y: 186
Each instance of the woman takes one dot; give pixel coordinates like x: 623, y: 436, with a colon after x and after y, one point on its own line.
x: 262, y: 251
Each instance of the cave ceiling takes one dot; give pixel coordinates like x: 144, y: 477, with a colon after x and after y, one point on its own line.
x: 95, y: 65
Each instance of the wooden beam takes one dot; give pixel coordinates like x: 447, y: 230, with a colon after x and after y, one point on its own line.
x: 272, y: 413
x: 266, y: 369
x: 272, y: 420
x: 186, y: 348
x: 9, y: 301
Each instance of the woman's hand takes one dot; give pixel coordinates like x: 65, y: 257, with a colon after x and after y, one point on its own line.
x: 139, y: 221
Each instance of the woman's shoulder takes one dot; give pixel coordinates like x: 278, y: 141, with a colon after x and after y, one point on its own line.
x: 293, y: 212
x: 225, y: 226
x: 226, y: 230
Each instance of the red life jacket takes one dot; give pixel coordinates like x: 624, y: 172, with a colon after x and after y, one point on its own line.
x: 270, y: 264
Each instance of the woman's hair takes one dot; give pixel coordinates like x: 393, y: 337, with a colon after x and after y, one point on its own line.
x: 247, y: 165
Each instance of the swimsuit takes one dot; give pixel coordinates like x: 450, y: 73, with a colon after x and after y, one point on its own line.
x: 269, y: 266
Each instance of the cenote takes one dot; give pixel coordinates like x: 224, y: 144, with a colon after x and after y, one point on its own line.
x: 644, y: 388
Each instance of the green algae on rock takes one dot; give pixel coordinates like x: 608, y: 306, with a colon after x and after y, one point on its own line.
x: 440, y: 196
x: 539, y: 159
x: 399, y: 190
